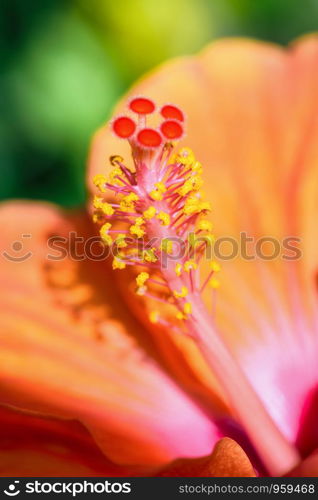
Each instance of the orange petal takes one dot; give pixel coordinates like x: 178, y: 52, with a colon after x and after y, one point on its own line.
x: 251, y: 112
x: 69, y: 348
x: 46, y: 447
x: 227, y: 460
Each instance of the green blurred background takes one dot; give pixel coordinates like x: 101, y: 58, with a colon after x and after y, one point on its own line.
x: 65, y: 63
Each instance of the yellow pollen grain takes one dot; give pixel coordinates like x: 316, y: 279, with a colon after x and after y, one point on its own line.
x: 99, y: 181
x: 185, y: 156
x: 187, y: 308
x: 142, y: 278
x: 214, y: 283
x: 161, y: 187
x: 149, y: 255
x: 164, y: 218
x: 97, y: 201
x: 136, y: 231
x: 96, y: 217
x: 197, y: 167
x: 186, y: 188
x: 178, y: 269
x: 120, y: 241
x: 105, y: 228
x: 150, y: 212
x: 118, y: 264
x: 156, y: 195
x: 107, y: 209
x: 139, y: 221
x: 215, y: 266
x: 153, y: 316
x: 116, y: 172
x: 127, y: 201
x: 180, y: 315
x: 183, y: 293
x: 189, y: 264
x: 205, y: 225
x: 205, y: 206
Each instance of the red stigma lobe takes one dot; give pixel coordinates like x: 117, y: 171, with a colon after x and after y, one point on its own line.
x: 142, y: 106
x: 124, y: 127
x: 169, y: 111
x: 149, y: 138
x: 171, y: 129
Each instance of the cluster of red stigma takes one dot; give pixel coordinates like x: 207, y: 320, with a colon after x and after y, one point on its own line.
x: 170, y: 129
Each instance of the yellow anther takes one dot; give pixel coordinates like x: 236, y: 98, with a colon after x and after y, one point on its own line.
x: 164, y: 218
x: 214, y: 283
x: 205, y: 225
x: 116, y: 172
x: 205, y: 206
x: 142, y: 278
x: 154, y: 317
x: 197, y: 182
x: 215, y: 266
x: 141, y: 290
x: 166, y: 245
x: 197, y: 167
x: 118, y: 264
x: 127, y: 201
x: 180, y: 315
x: 149, y: 255
x: 120, y: 241
x: 96, y: 217
x: 102, y: 205
x: 107, y: 209
x: 161, y: 187
x: 97, y: 201
x: 150, y: 212
x: 139, y: 221
x: 116, y: 159
x: 99, y: 181
x: 106, y: 238
x: 156, y: 195
x: 185, y: 189
x: 185, y: 156
x: 131, y: 197
x: 189, y: 264
x: 194, y: 183
x: 178, y: 269
x: 192, y: 205
x: 136, y: 231
x: 183, y: 293
x: 187, y: 308
x: 195, y: 205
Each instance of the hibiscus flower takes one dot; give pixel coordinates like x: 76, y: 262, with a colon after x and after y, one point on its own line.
x: 94, y: 380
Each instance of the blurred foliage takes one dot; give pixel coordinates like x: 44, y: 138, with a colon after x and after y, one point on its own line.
x: 65, y: 63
